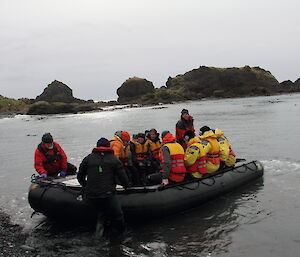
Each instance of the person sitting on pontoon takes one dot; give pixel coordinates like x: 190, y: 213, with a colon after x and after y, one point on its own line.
x: 172, y: 159
x: 51, y: 160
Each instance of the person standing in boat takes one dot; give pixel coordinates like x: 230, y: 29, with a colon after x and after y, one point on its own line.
x: 195, y: 156
x: 172, y: 159
x: 154, y: 147
x: 227, y: 155
x: 97, y: 173
x: 211, y: 148
x: 51, y: 160
x: 185, y: 123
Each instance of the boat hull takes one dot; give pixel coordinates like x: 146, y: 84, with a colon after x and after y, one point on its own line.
x: 59, y: 201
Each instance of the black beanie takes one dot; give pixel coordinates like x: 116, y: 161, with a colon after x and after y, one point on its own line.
x: 184, y: 111
x: 47, y: 138
x: 103, y: 142
x: 141, y: 135
x: 204, y: 129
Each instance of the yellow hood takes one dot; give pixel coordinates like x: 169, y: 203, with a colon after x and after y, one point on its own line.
x: 208, y: 134
x: 219, y: 132
x: 193, y: 140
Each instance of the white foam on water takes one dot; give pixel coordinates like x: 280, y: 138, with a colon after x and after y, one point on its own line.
x: 281, y: 166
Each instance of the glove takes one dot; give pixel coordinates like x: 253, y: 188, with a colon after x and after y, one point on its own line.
x: 43, y: 176
x: 62, y: 173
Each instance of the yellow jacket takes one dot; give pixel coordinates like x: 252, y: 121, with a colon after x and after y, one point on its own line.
x: 211, y: 148
x: 226, y: 153
x: 195, y: 158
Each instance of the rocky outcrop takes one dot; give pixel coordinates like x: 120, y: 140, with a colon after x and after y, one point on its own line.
x: 43, y: 107
x: 134, y: 88
x: 226, y: 82
x: 289, y: 86
x: 58, y: 92
x: 204, y: 82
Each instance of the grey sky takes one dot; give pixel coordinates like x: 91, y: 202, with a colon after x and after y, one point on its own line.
x: 93, y: 46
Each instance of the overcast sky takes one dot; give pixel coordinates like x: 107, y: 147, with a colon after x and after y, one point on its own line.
x: 93, y: 46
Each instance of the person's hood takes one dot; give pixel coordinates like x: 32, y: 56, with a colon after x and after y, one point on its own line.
x: 117, y: 139
x: 189, y: 118
x: 207, y: 134
x: 219, y: 132
x: 168, y: 138
x: 193, y: 140
x: 102, y: 149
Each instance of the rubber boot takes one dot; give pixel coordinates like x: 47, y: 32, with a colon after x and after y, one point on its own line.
x: 100, y: 226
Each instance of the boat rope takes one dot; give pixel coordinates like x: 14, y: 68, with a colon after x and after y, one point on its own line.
x: 207, y: 184
x: 41, y: 223
x: 189, y: 188
x: 244, y: 168
x: 33, y: 213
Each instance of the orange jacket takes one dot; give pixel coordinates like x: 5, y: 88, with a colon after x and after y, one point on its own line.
x: 154, y: 147
x: 117, y: 145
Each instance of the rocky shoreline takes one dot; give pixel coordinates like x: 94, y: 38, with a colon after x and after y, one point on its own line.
x: 198, y: 84
x: 12, y: 239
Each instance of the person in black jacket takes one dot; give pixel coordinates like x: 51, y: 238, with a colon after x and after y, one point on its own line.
x: 97, y: 174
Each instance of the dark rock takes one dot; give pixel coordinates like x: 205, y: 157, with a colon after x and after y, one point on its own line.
x: 297, y: 83
x: 205, y: 82
x: 134, y: 88
x: 44, y: 107
x: 58, y: 92
x: 289, y: 86
x: 226, y: 82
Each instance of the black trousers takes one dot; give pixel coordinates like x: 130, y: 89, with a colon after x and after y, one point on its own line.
x: 71, y: 170
x: 110, y: 215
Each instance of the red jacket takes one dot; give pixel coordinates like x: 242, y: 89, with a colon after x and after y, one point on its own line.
x: 181, y: 127
x: 42, y: 164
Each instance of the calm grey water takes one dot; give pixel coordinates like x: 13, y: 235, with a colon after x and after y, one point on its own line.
x: 261, y: 219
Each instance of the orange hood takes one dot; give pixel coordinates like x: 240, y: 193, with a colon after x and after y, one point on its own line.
x: 168, y: 138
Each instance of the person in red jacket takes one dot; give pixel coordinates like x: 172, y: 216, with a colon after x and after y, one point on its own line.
x: 51, y: 160
x: 185, y: 123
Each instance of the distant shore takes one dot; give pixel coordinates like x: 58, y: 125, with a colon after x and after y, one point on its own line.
x: 133, y: 105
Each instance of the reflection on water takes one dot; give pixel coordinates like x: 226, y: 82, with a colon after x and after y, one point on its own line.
x: 204, y: 230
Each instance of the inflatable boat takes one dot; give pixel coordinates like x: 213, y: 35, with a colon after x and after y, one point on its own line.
x: 64, y: 199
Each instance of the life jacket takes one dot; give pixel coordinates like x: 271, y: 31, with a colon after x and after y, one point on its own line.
x: 225, y: 146
x: 50, y: 158
x: 181, y: 127
x: 200, y: 164
x: 141, y: 151
x: 213, y: 154
x: 177, y: 172
x: 120, y: 151
x: 154, y: 147
x: 231, y: 152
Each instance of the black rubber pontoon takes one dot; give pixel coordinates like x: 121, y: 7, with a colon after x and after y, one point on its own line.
x: 63, y: 198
